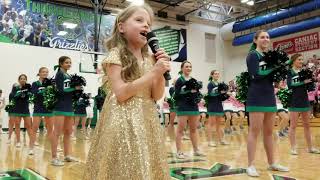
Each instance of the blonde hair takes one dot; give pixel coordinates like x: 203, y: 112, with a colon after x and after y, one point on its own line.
x: 130, y: 68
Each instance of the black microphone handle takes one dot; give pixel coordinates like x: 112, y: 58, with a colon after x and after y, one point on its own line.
x: 167, y: 76
x: 154, y: 49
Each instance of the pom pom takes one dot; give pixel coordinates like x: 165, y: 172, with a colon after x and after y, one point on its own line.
x: 10, y: 106
x: 242, y: 82
x: 48, y: 82
x: 278, y: 60
x: 284, y: 96
x: 77, y: 81
x: 50, y: 95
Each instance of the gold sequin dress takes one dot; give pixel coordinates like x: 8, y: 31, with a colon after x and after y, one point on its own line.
x: 128, y: 143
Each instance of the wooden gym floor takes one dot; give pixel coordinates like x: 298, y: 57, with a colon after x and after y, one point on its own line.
x: 221, y: 162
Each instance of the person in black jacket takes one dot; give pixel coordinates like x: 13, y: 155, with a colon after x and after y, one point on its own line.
x: 215, y: 109
x: 20, y: 95
x: 299, y: 104
x: 63, y: 112
x: 187, y: 110
x: 261, y: 103
x: 40, y: 110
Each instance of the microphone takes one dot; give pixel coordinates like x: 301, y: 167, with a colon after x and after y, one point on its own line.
x: 153, y: 42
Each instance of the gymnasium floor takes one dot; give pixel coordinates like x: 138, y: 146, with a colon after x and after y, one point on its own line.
x: 221, y: 162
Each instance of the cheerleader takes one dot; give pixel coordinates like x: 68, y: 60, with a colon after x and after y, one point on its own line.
x: 281, y: 112
x: 89, y: 111
x: 20, y: 95
x: 261, y: 103
x: 229, y: 112
x: 240, y: 109
x: 63, y: 112
x: 187, y: 110
x: 172, y: 114
x: 2, y: 104
x: 215, y: 109
x: 237, y: 113
x: 40, y: 111
x: 80, y: 114
x: 299, y: 104
x: 203, y: 112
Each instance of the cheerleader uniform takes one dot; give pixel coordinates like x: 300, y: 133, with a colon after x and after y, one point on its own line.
x: 202, y: 108
x: 261, y: 96
x: 228, y: 106
x: 173, y: 107
x: 185, y: 107
x: 64, y: 104
x: 89, y: 109
x: 80, y: 108
x: 299, y: 101
x: 21, y: 98
x: 39, y: 109
x: 215, y: 107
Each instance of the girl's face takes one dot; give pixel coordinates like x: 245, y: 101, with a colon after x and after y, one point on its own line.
x: 216, y: 75
x: 44, y: 73
x: 187, y: 68
x: 66, y: 65
x: 298, y: 63
x: 22, y: 80
x: 136, y: 27
x: 263, y: 41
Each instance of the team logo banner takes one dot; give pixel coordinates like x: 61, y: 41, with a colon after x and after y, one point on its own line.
x: 39, y: 23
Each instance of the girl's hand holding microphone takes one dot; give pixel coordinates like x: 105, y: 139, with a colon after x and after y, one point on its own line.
x: 162, y: 65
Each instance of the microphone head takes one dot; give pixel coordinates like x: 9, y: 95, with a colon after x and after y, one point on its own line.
x: 150, y: 35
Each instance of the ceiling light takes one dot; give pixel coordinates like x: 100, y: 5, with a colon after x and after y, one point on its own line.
x: 70, y: 25
x: 136, y: 2
x: 250, y: 3
x: 62, y: 33
x: 244, y: 1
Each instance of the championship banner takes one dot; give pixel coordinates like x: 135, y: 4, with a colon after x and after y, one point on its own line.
x: 39, y: 23
x: 174, y: 42
x: 298, y: 44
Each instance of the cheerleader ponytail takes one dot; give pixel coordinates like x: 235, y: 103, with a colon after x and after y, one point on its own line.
x: 253, y: 47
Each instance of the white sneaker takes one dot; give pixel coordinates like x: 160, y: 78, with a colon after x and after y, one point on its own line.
x: 251, y: 171
x: 212, y: 144
x: 198, y: 153
x: 224, y: 143
x: 36, y: 143
x: 31, y: 152
x: 314, y: 151
x: 186, y: 138
x: 278, y: 167
x: 56, y: 162
x: 18, y: 145
x: 86, y: 138
x: 293, y: 152
x: 180, y: 155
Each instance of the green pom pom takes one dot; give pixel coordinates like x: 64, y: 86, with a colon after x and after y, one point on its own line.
x: 242, y: 82
x: 284, y: 96
x: 50, y: 97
